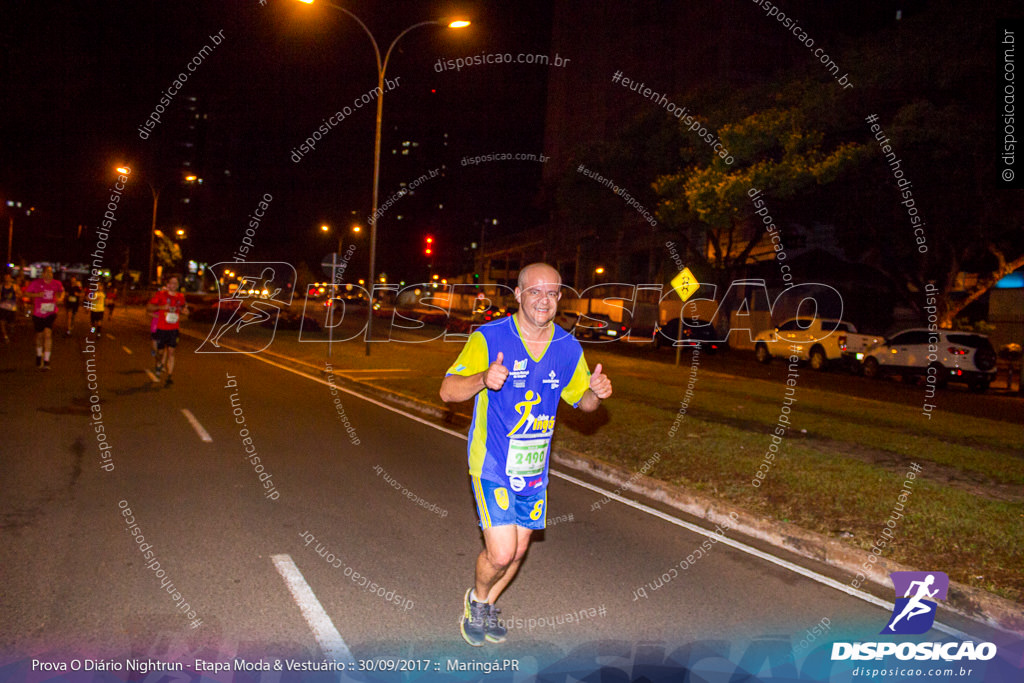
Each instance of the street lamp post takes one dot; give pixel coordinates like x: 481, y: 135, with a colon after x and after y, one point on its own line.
x: 381, y: 68
x: 152, y: 230
x: 124, y: 170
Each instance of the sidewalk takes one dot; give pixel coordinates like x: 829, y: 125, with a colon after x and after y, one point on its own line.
x: 392, y: 366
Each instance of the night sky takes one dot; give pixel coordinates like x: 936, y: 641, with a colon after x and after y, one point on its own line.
x: 80, y: 79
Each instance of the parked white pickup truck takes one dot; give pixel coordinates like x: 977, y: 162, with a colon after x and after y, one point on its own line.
x: 821, y: 341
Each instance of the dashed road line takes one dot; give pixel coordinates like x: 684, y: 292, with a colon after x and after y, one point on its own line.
x: 203, y: 434
x: 327, y: 636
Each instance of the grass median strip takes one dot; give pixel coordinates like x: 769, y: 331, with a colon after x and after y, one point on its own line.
x: 839, y: 479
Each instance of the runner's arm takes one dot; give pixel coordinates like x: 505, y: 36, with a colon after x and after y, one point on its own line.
x: 458, y: 388
x: 462, y: 383
x: 590, y: 402
x: 586, y: 391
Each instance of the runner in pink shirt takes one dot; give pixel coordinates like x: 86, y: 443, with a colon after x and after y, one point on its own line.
x: 46, y: 293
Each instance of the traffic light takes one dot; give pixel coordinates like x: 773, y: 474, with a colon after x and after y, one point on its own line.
x: 428, y: 248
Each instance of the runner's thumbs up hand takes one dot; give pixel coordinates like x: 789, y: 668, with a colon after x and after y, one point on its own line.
x: 600, y: 384
x: 494, y: 377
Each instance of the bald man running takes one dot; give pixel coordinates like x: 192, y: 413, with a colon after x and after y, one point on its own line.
x: 518, y: 368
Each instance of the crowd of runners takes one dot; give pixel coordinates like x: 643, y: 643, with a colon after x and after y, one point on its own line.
x: 51, y: 304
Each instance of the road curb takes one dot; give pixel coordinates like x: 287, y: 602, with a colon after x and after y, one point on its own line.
x: 973, y: 603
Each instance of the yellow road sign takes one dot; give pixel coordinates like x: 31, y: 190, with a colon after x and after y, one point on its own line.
x: 685, y: 284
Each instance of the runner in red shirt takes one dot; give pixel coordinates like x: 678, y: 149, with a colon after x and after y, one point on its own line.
x: 169, y: 305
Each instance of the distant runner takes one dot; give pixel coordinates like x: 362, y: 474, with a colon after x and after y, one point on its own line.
x: 510, y: 438
x: 46, y: 293
x: 96, y: 303
x: 111, y: 299
x: 9, y: 295
x: 72, y: 300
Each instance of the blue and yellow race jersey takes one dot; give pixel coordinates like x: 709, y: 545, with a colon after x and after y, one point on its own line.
x: 510, y: 438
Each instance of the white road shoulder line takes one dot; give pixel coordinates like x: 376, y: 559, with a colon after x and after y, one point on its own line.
x: 355, y: 370
x: 361, y: 397
x: 203, y: 434
x: 327, y: 636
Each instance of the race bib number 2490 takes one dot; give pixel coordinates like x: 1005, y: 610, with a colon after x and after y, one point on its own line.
x: 526, y: 457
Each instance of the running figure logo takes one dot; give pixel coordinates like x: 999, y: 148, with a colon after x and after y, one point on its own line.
x: 261, y: 292
x: 525, y: 408
x: 914, y: 612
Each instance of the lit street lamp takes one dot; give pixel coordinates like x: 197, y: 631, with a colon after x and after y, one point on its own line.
x: 356, y: 229
x: 13, y: 206
x: 381, y: 68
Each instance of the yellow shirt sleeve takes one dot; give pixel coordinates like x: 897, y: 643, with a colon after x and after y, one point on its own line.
x: 578, y: 385
x: 473, y: 358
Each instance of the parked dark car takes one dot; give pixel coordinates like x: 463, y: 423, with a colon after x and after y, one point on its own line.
x: 696, y: 333
x: 567, y: 320
x: 598, y: 326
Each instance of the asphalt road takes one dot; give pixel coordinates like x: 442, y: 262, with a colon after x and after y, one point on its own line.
x: 395, y: 508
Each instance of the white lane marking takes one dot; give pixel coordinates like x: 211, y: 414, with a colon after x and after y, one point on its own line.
x: 152, y: 377
x: 127, y: 350
x: 820, y: 578
x: 195, y: 425
x: 327, y: 636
